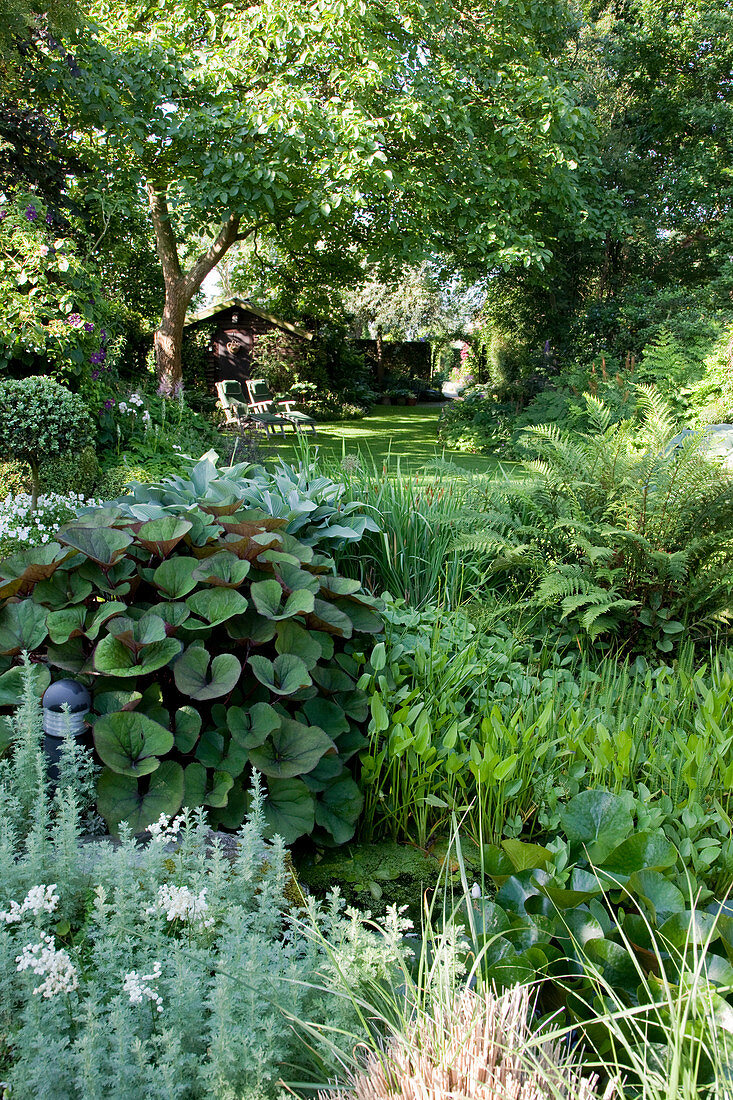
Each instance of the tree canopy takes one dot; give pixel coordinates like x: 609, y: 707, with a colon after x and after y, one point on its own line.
x: 396, y: 129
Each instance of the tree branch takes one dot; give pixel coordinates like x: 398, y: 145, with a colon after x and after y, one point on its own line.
x: 165, y: 241
x: 208, y: 260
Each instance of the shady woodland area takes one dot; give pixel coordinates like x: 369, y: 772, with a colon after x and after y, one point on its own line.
x: 366, y: 458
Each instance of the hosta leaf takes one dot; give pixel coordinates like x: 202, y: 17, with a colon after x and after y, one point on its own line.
x: 130, y: 743
x: 338, y: 807
x: 216, y: 605
x: 161, y: 536
x: 224, y: 569
x: 122, y: 798
x: 291, y: 750
x: 22, y: 626
x: 102, y: 545
x: 283, y: 676
x: 193, y: 677
x: 174, y: 578
x: 289, y: 809
x: 112, y: 658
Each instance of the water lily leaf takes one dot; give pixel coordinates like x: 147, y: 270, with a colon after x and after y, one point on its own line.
x: 598, y: 821
x: 661, y: 896
x: 130, y: 743
x: 188, y: 728
x: 22, y: 626
x: 525, y: 856
x: 293, y: 638
x: 103, y: 545
x: 161, y: 536
x: 283, y: 676
x: 328, y: 618
x: 121, y: 798
x: 251, y: 728
x: 193, y: 678
x: 338, y: 808
x: 684, y: 929
x: 615, y: 963
x: 112, y: 658
x: 222, y: 569
x: 518, y: 888
x: 291, y: 750
x: 216, y: 605
x: 641, y: 850
x: 174, y: 578
x: 268, y: 598
x: 326, y: 714
x: 289, y: 809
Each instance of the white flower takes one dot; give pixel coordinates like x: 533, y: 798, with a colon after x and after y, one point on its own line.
x: 147, y: 419
x: 39, y: 899
x: 123, y: 407
x: 475, y: 891
x: 166, y: 828
x: 182, y: 904
x: 136, y: 399
x: 135, y: 986
x: 43, y: 959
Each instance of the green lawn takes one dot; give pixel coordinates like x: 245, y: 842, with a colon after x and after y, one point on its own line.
x: 408, y: 433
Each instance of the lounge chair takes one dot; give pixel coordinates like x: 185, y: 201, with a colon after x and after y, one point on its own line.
x: 239, y: 411
x: 262, y: 401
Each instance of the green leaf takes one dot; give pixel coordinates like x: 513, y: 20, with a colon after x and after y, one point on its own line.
x: 596, y: 820
x: 291, y: 750
x: 217, y: 605
x: 223, y: 569
x: 616, y: 965
x: 283, y: 676
x: 268, y: 596
x: 251, y: 728
x: 112, y: 658
x: 326, y: 714
x: 161, y: 536
x: 338, y: 808
x: 289, y: 809
x: 328, y: 618
x: 526, y: 856
x: 120, y: 797
x: 175, y: 577
x: 191, y: 673
x: 103, y: 545
x: 11, y: 684
x: 293, y: 638
x: 218, y: 793
x: 130, y: 743
x: 194, y: 784
x: 22, y: 626
x: 188, y: 728
x: 686, y: 928
x: 650, y: 850
x: 661, y: 896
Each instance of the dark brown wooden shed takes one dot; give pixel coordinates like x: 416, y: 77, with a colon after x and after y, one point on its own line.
x: 236, y: 325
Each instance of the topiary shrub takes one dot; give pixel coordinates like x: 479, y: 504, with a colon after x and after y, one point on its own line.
x: 67, y: 474
x: 39, y: 421
x: 214, y: 643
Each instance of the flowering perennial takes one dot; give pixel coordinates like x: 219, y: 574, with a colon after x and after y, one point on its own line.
x: 39, y: 899
x: 166, y: 828
x: 19, y: 523
x: 135, y: 986
x: 182, y: 904
x: 44, y: 959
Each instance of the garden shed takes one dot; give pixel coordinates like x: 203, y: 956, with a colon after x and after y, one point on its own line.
x: 235, y: 325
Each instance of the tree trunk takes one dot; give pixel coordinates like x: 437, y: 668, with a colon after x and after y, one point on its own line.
x: 168, y: 339
x: 180, y: 286
x: 35, y: 486
x: 380, y: 359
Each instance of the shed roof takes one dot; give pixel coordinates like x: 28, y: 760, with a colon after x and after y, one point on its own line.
x: 244, y: 304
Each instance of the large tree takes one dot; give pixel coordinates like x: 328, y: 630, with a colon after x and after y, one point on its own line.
x: 393, y: 129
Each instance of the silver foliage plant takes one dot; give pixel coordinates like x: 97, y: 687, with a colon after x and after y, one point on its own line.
x: 160, y: 969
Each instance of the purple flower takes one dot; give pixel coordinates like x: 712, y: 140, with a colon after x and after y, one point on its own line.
x: 31, y: 213
x: 89, y: 327
x: 104, y: 333
x: 49, y: 218
x: 96, y: 357
x: 74, y: 320
x: 109, y: 404
x: 3, y: 215
x: 95, y: 375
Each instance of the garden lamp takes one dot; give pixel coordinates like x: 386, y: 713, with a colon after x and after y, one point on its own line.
x: 65, y: 693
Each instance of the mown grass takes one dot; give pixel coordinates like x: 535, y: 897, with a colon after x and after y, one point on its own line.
x: 388, y: 430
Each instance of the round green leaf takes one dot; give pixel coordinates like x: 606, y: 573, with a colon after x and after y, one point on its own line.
x: 291, y: 750
x: 22, y: 626
x: 338, y: 807
x: 161, y: 536
x: 289, y: 809
x: 102, y: 544
x: 283, y: 676
x: 112, y: 658
x: 193, y: 678
x: 120, y: 797
x: 130, y: 743
x: 216, y: 605
x: 174, y: 577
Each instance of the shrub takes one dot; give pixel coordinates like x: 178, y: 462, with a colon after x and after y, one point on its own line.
x: 79, y: 474
x: 215, y: 643
x: 163, y: 968
x: 41, y: 420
